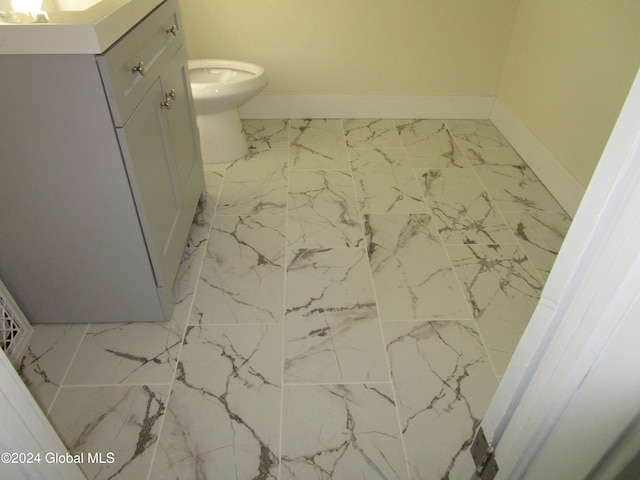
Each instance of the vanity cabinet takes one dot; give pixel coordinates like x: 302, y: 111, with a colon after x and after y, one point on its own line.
x: 100, y: 177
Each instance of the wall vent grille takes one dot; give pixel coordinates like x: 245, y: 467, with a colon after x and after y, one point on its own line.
x: 15, y: 330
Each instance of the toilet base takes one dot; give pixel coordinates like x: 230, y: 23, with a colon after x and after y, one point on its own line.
x: 221, y: 137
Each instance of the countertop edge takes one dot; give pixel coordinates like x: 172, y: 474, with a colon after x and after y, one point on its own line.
x: 81, y: 38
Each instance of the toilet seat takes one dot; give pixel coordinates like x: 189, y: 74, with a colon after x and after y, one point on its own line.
x: 219, y: 75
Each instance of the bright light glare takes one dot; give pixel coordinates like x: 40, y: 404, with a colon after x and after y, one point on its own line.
x: 26, y: 6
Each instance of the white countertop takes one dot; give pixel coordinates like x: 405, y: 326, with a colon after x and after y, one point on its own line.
x: 66, y: 31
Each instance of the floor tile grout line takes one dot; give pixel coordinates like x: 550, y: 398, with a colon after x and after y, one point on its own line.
x: 189, y: 324
x: 457, y: 274
x: 204, y: 246
x: 234, y: 324
x: 429, y: 211
x: 444, y: 245
x: 355, y: 197
x: 118, y: 385
x: 284, y: 303
x: 490, y: 195
x: 441, y: 240
x: 66, y: 372
x: 498, y: 210
x: 284, y: 299
x: 320, y: 384
x: 361, y: 216
x: 493, y: 205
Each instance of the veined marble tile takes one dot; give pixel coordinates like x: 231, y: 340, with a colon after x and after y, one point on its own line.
x: 541, y: 235
x: 254, y: 167
x: 412, y: 274
x: 334, y: 347
x: 138, y: 353
x: 462, y: 209
x: 513, y: 187
x: 185, y: 284
x: 213, y: 175
x: 503, y: 289
x: 476, y: 134
x: 317, y: 144
x: 47, y: 359
x: 199, y: 232
x: 256, y: 184
x: 371, y: 133
x: 266, y: 134
x: 322, y: 211
x: 429, y: 144
x: 223, y: 419
x: 332, y: 331
x: 122, y: 420
x: 341, y: 432
x: 494, y: 157
x: 443, y: 383
x: 385, y: 183
x: 242, y: 276
x: 127, y: 353
x: 223, y: 416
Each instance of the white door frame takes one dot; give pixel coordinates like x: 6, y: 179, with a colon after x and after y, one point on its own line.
x: 572, y: 368
x: 25, y: 430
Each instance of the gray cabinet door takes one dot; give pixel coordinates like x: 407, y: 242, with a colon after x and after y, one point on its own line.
x: 149, y: 161
x: 183, y: 128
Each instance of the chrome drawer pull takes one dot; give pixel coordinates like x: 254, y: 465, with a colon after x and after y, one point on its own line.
x: 140, y: 68
x: 173, y: 30
x: 171, y: 95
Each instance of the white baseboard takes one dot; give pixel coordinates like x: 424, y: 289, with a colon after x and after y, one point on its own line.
x: 562, y: 185
x: 348, y: 106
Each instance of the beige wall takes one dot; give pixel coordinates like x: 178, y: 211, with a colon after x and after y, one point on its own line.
x: 359, y: 47
x: 563, y: 67
x: 569, y: 68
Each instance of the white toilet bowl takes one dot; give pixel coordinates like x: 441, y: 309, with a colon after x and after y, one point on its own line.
x: 219, y: 87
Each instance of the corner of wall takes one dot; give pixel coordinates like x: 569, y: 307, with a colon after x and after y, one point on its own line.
x: 562, y: 185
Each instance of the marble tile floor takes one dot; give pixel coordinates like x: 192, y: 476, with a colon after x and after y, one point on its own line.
x: 350, y: 296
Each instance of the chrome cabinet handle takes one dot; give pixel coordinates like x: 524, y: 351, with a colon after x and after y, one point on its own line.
x: 140, y: 68
x: 173, y: 30
x: 170, y: 95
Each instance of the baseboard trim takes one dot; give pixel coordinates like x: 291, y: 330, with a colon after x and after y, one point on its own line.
x: 348, y: 106
x: 562, y: 185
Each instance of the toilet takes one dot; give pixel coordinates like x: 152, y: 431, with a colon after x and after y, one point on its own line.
x: 219, y: 87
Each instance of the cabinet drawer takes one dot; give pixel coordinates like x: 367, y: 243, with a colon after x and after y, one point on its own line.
x: 131, y: 65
